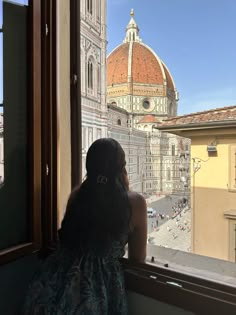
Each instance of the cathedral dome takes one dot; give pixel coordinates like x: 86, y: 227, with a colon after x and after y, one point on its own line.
x: 146, y: 67
x: 138, y: 80
x: 135, y: 62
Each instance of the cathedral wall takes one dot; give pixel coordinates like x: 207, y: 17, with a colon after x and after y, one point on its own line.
x: 93, y: 74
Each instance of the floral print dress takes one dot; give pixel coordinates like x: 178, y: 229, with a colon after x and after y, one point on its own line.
x: 69, y: 283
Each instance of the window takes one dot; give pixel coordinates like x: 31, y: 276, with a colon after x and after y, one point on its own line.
x: 173, y: 150
x: 119, y: 122
x: 168, y: 176
x: 165, y: 272
x: 146, y: 104
x: 90, y: 6
x: 90, y: 75
x: 233, y: 240
x: 90, y: 136
x: 232, y: 167
x: 98, y: 9
x: 20, y: 129
x: 14, y: 128
x: 98, y: 79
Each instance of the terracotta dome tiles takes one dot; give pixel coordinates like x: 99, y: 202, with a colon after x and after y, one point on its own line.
x: 117, y: 65
x: 145, y: 67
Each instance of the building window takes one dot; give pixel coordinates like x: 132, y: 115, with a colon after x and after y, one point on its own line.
x: 231, y: 216
x: 173, y: 150
x: 232, y: 167
x: 98, y: 79
x: 90, y: 136
x: 119, y: 122
x: 98, y: 9
x: 90, y: 6
x: 168, y: 174
x: 99, y: 133
x: 90, y: 75
x: 146, y: 104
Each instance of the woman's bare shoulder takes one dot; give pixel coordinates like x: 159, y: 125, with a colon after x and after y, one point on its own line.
x: 137, y: 201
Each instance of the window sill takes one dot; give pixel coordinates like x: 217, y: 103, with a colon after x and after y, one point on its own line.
x: 189, y: 292
x: 213, y: 269
x: 15, y: 252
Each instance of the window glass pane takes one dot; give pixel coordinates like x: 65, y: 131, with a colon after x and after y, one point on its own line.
x: 190, y: 187
x: 13, y: 135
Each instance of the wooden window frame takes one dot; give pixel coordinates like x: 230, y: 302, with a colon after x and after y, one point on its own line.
x: 42, y: 122
x: 187, y: 292
x: 34, y: 122
x: 232, y: 240
x: 75, y: 94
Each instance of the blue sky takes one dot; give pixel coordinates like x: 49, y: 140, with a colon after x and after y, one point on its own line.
x: 196, y: 39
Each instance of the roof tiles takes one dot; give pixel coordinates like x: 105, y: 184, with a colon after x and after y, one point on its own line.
x: 213, y: 115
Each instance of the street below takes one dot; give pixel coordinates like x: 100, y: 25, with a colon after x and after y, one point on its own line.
x: 164, y: 207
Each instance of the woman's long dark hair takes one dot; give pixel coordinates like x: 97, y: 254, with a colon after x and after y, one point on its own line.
x: 98, y: 211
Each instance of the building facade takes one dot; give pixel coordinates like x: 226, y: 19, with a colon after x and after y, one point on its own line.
x: 93, y: 72
x: 213, y: 179
x: 140, y: 94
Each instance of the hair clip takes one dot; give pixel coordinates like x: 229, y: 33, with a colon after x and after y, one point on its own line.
x: 102, y: 179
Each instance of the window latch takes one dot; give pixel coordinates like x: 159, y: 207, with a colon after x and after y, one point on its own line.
x: 47, y: 170
x: 46, y: 29
x: 174, y: 284
x: 74, y: 79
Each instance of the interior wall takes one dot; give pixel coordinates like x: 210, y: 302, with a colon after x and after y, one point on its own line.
x: 15, y: 278
x: 140, y: 304
x: 63, y: 99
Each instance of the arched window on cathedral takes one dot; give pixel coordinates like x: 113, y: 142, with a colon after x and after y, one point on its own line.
x: 173, y: 150
x: 133, y: 36
x: 98, y: 10
x: 90, y: 6
x: 119, y: 122
x: 113, y: 103
x: 90, y: 75
x: 168, y: 173
x: 98, y: 79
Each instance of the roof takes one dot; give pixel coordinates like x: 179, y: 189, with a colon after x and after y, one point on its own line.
x: 117, y: 65
x: 210, y: 117
x: 145, y: 66
x: 149, y: 119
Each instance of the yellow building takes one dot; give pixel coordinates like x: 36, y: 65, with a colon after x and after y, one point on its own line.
x: 213, y: 178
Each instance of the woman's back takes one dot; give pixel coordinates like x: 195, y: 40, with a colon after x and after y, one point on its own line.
x: 84, y: 275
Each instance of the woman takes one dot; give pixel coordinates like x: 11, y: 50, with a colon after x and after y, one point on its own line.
x: 84, y: 275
